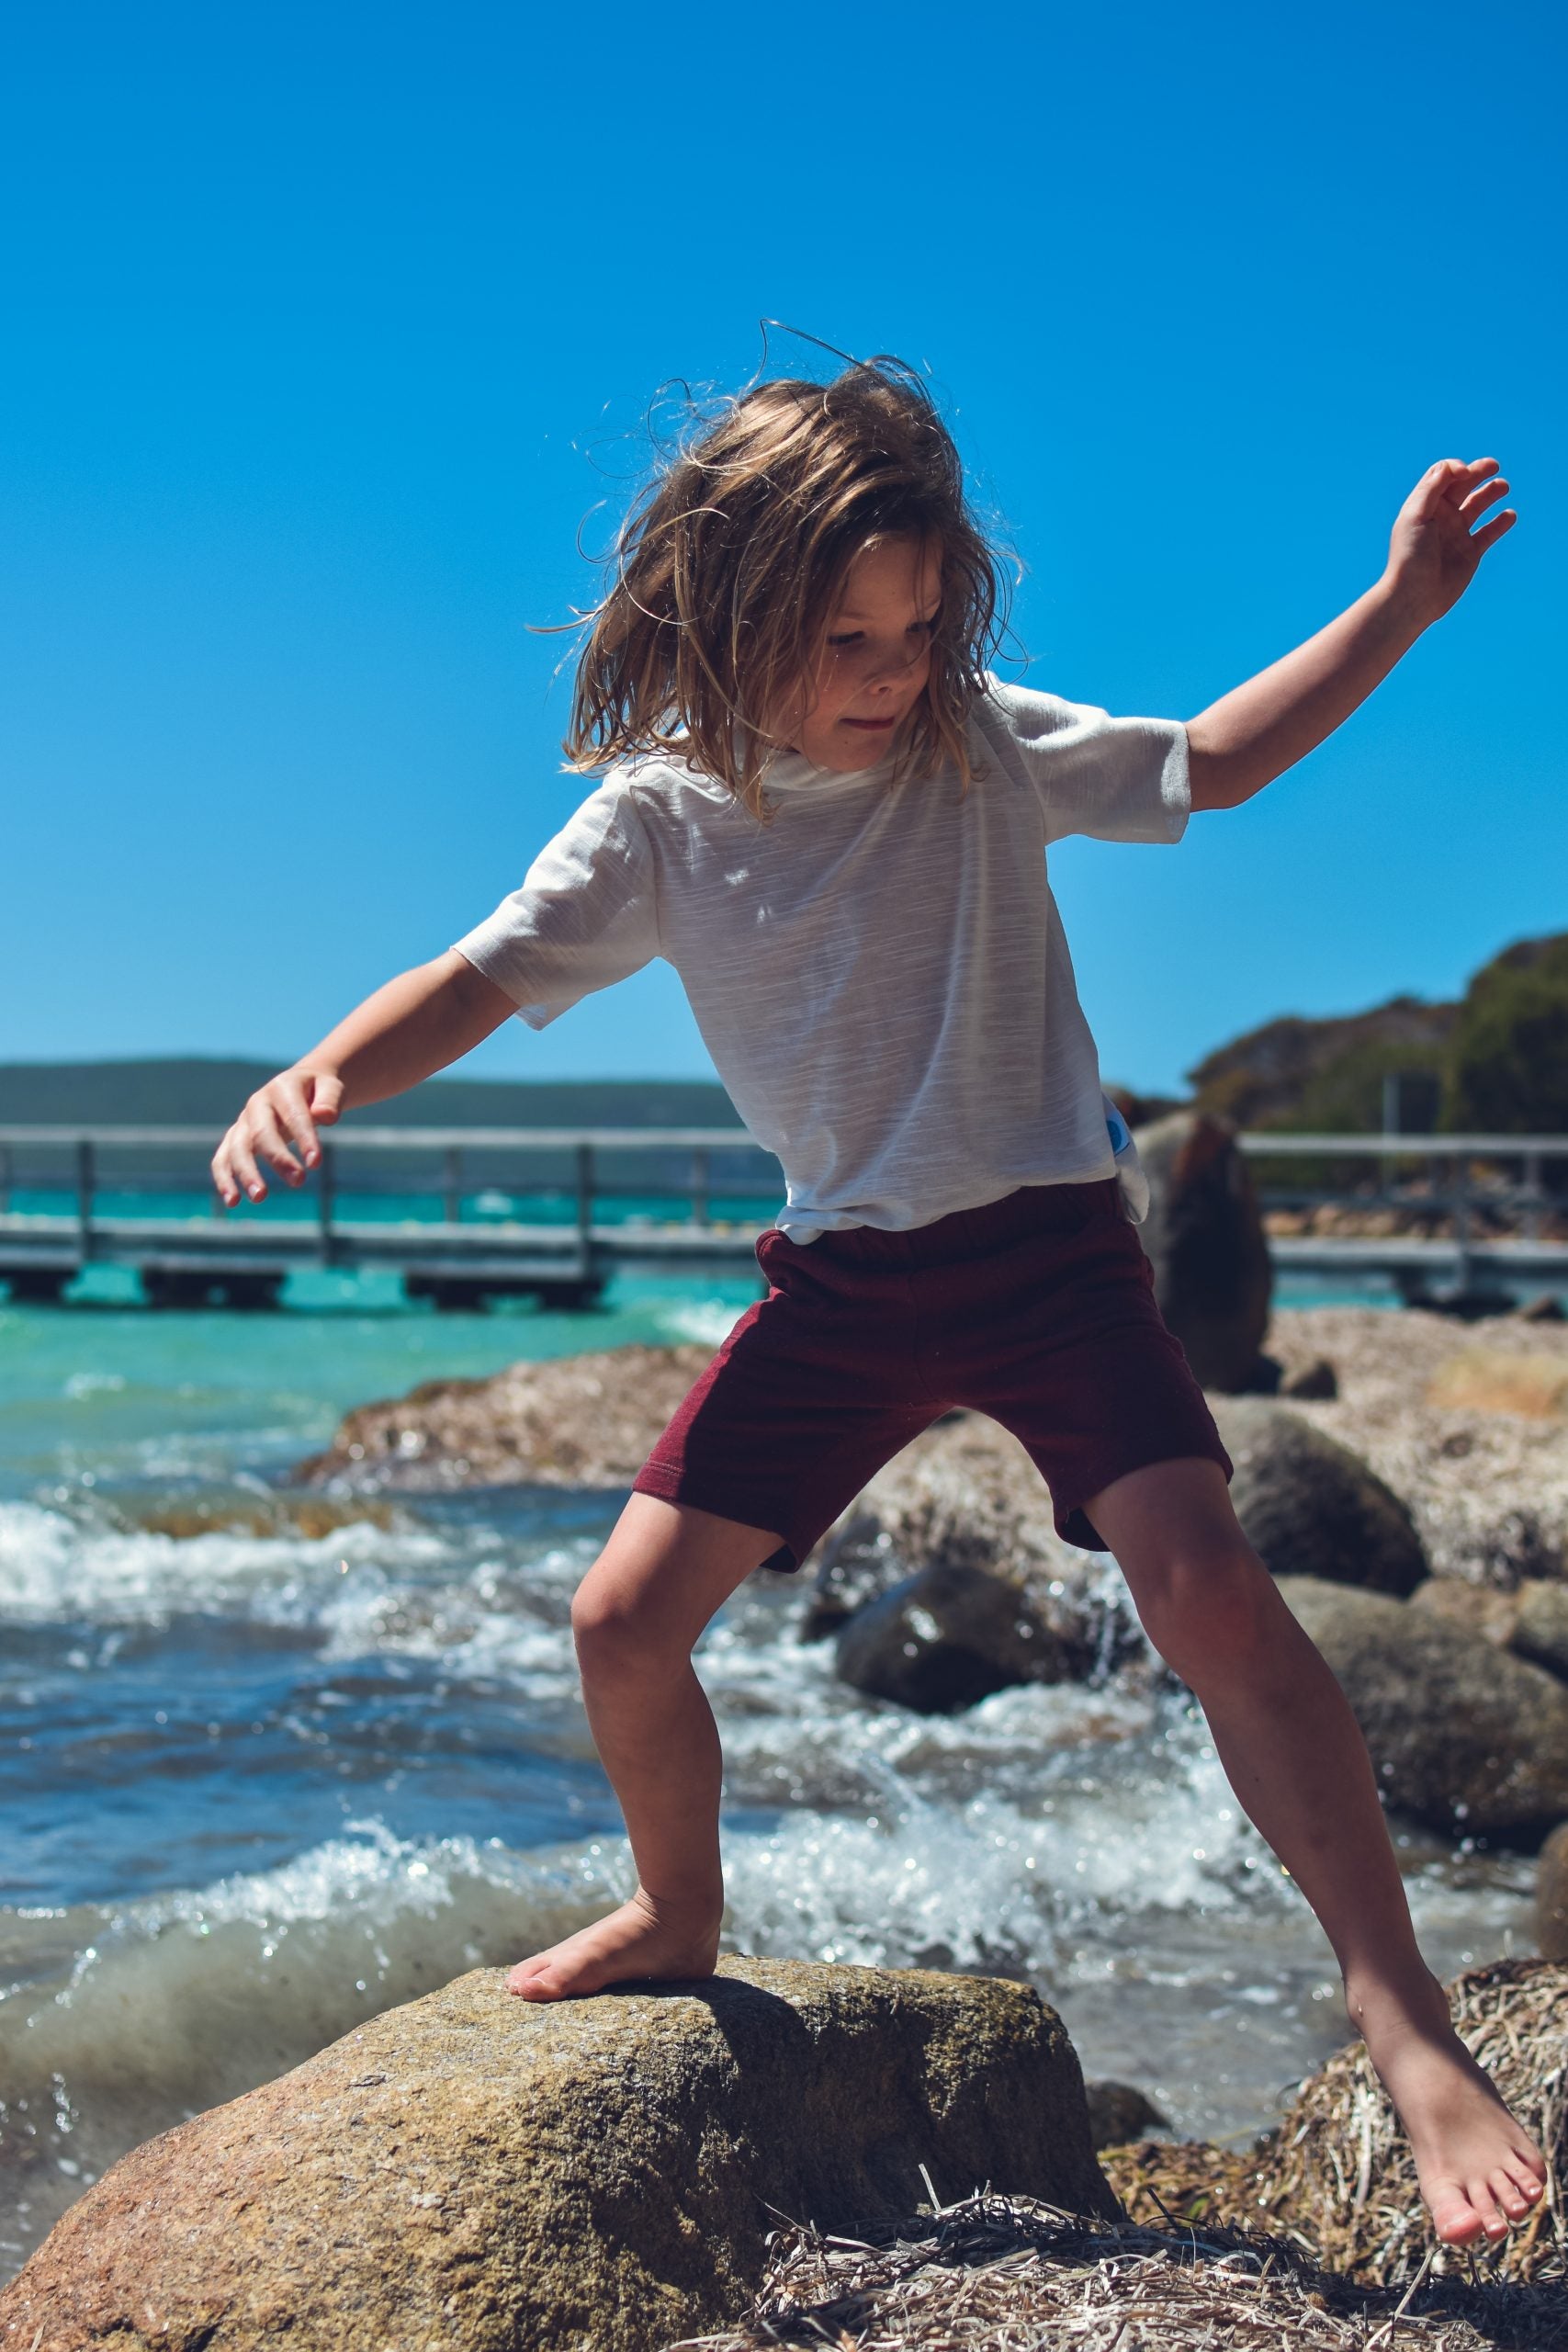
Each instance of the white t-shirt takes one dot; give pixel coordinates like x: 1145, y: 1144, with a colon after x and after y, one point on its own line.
x: 879, y: 972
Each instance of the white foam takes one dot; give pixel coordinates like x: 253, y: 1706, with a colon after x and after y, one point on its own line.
x: 182, y: 2000
x: 55, y: 1567
x: 708, y: 1321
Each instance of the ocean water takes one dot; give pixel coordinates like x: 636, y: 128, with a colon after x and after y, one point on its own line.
x: 268, y: 1766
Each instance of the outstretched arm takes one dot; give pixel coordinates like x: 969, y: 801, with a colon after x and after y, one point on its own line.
x: 412, y: 1026
x: 1251, y: 735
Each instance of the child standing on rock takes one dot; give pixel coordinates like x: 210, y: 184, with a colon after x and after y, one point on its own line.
x: 831, y: 818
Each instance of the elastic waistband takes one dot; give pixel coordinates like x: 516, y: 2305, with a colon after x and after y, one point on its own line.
x: 975, y: 1233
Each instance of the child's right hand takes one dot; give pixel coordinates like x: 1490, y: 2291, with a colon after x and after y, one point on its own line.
x: 287, y: 1110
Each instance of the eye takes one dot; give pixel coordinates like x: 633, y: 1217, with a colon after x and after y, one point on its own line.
x: 853, y: 638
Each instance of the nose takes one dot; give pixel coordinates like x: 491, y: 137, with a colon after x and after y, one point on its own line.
x: 892, y: 665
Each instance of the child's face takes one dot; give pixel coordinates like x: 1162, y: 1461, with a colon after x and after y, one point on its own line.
x: 874, y: 666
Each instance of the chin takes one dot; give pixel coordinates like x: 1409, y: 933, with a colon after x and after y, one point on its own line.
x: 862, y: 751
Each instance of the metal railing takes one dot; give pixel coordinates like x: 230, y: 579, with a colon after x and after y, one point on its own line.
x: 1451, y: 1157
x: 699, y: 1167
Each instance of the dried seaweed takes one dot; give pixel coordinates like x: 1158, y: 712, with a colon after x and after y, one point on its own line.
x: 1009, y: 2274
x: 1316, y: 2239
x: 1336, y: 2179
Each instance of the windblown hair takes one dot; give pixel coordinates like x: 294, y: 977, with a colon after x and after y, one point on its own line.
x: 727, y: 572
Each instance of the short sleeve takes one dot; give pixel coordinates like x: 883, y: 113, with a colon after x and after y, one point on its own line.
x: 585, y: 916
x: 1117, y: 779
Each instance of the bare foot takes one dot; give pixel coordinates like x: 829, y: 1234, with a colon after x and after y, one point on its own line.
x: 642, y: 1938
x: 1478, y: 2170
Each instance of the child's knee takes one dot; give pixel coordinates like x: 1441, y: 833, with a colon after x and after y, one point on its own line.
x: 618, y: 1624
x: 1209, y: 1610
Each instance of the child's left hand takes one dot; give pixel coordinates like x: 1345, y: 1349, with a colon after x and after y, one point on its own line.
x: 1434, y: 551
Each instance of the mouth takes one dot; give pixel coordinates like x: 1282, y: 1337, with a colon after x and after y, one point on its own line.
x: 871, y: 726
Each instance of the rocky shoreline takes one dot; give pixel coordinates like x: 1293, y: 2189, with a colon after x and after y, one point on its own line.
x: 1408, y: 1489
x: 615, y: 2175
x: 609, y: 2176
x: 1485, y: 1483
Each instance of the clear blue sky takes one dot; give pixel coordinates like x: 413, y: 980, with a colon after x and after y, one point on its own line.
x: 327, y: 326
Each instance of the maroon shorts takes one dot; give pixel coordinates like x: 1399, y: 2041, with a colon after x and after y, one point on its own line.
x: 1038, y: 1309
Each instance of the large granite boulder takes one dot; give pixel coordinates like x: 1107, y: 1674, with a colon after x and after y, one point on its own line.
x: 1310, y: 1507
x: 1462, y: 1734
x: 594, y: 2177
x: 1204, y: 1240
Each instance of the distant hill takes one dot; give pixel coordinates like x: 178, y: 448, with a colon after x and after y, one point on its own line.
x: 1496, y: 1061
x: 1328, y: 1074
x: 190, y: 1091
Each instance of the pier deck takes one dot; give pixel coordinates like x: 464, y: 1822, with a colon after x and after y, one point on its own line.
x: 460, y: 1260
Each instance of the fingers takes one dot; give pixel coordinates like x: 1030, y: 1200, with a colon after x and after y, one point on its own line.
x: 326, y: 1097
x: 278, y: 1116
x: 1453, y: 480
x: 234, y: 1168
x: 1491, y: 532
x: 293, y: 1113
x: 267, y: 1137
x: 1473, y: 507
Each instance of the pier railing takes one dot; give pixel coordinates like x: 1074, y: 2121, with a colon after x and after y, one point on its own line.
x: 467, y: 1241
x: 551, y: 1211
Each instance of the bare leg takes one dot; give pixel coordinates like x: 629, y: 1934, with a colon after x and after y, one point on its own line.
x: 637, y: 1616
x: 1296, y: 1760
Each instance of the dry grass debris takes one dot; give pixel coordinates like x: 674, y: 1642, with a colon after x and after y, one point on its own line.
x: 1335, y: 2181
x: 1317, y: 2239
x: 1009, y: 2274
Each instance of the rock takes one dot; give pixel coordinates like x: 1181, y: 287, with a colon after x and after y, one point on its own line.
x: 1546, y: 1308
x: 588, y: 1420
x: 1311, y: 1507
x: 1118, y: 2113
x: 856, y: 1561
x: 1540, y: 1625
x: 598, y: 2176
x: 1462, y: 1735
x: 1551, y: 1898
x: 1533, y: 1621
x: 948, y: 1637
x: 1488, y: 1380
x: 1474, y: 1609
x: 1315, y: 1383
x: 991, y: 1596
x: 1204, y: 1240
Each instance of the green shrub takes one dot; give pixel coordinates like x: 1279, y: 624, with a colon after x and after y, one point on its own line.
x: 1509, y: 1058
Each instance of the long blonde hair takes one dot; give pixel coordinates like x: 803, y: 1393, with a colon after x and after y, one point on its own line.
x: 727, y: 570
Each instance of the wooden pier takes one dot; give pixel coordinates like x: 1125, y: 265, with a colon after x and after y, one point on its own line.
x: 459, y: 1257
x: 242, y: 1260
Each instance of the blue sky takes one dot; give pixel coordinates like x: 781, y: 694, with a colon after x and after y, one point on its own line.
x: 331, y: 328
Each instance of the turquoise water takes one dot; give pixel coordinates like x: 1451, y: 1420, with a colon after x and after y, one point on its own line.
x: 485, y: 1208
